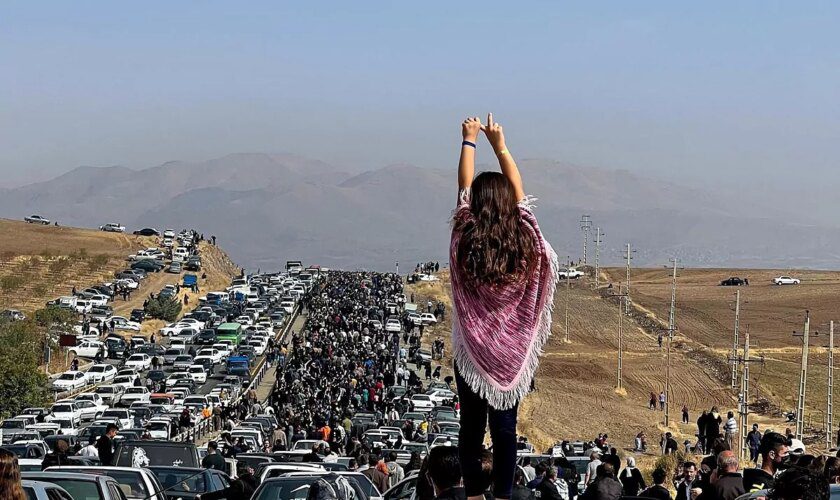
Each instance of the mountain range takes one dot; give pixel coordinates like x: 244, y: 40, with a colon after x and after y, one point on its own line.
x: 266, y: 209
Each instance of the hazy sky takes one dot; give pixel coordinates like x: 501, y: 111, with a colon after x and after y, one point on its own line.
x: 714, y: 91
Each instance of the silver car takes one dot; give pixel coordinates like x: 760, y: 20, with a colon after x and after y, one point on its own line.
x: 41, y: 490
x: 80, y: 485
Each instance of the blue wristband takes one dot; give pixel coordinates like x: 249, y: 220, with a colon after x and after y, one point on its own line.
x: 468, y: 143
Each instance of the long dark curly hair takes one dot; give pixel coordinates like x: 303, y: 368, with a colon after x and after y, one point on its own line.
x: 495, y: 247
x: 10, y: 487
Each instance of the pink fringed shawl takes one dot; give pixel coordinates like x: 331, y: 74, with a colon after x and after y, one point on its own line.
x: 498, y: 332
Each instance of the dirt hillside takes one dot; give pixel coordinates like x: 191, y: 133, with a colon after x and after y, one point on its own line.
x: 576, y: 396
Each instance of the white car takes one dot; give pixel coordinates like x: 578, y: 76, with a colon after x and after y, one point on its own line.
x: 124, y: 381
x: 88, y: 349
x: 393, y: 325
x: 440, y: 396
x: 421, y: 402
x: 122, y: 323
x: 37, y: 219
x: 175, y: 328
x: 89, y: 410
x: 110, y: 394
x: 259, y: 346
x: 785, y: 280
x: 169, y: 233
x: 97, y: 300
x: 198, y: 374
x: 119, y: 414
x: 428, y: 319
x: 135, y: 394
x: 415, y: 318
x: 92, y: 397
x: 139, y: 361
x: 112, y: 227
x: 70, y: 381
x: 101, y: 373
x: 175, y: 377
x: 224, y: 349
x: 570, y: 273
x: 212, y: 353
x: 66, y: 409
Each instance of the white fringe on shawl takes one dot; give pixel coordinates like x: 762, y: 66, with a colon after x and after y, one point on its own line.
x: 496, y: 397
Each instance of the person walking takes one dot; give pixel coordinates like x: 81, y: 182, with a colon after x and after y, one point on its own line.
x: 685, y: 414
x: 753, y: 442
x: 503, y: 275
x: 662, y: 401
x: 730, y: 428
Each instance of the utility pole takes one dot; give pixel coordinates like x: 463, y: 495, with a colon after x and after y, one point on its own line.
x: 620, y: 321
x: 735, y: 342
x: 829, y: 422
x: 568, y: 290
x: 744, y: 395
x: 585, y: 225
x: 628, y: 255
x: 803, y: 378
x: 598, y: 235
x: 671, y: 328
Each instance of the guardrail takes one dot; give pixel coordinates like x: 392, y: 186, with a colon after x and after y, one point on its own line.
x: 205, y: 426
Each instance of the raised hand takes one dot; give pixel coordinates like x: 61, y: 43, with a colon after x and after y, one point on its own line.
x: 470, y: 128
x: 495, y: 134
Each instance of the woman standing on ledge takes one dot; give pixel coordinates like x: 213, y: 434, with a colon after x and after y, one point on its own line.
x: 503, y: 278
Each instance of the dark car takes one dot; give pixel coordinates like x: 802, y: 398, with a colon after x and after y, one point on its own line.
x: 187, y: 483
x: 206, y: 337
x: 116, y: 347
x: 163, y: 453
x: 156, y: 375
x: 151, y: 349
x: 147, y: 265
x: 137, y: 315
x: 733, y: 281
x: 147, y: 231
x: 193, y: 264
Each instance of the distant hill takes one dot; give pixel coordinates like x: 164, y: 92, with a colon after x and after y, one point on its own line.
x: 266, y: 209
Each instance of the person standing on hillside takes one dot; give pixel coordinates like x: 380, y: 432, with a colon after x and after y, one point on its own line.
x: 504, y: 274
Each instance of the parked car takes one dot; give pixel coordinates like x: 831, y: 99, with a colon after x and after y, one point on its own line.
x: 112, y: 227
x: 137, y: 315
x: 88, y: 349
x: 37, y: 219
x: 101, y: 373
x: 147, y: 265
x: 147, y: 231
x: 570, y: 273
x: 42, y: 490
x: 70, y: 381
x: 78, y: 486
x: 785, y: 280
x: 139, y: 361
x: 175, y: 268
x: 733, y: 281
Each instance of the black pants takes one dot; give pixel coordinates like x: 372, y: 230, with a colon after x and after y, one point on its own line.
x: 474, y: 417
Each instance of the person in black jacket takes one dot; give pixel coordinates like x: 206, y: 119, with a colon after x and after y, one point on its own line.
x: 241, y: 488
x: 631, y: 478
x: 105, y: 445
x: 520, y: 490
x: 688, y: 482
x: 547, y: 490
x: 658, y: 490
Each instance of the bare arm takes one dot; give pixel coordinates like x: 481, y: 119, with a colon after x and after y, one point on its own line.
x: 496, y: 136
x: 466, y: 165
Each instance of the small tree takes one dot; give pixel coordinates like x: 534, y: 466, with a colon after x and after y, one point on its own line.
x: 22, y: 383
x: 165, y: 308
